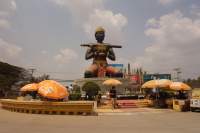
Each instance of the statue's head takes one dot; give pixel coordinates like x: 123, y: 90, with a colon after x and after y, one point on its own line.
x: 99, y: 34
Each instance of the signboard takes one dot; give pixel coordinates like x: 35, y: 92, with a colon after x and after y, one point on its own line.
x: 118, y: 66
x: 135, y: 77
x: 148, y: 77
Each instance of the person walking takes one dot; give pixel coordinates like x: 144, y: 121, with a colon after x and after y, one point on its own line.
x: 113, y: 96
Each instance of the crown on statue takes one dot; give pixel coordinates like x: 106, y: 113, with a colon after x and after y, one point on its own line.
x: 99, y: 29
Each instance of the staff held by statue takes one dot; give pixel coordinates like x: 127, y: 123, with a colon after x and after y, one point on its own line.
x: 107, y: 44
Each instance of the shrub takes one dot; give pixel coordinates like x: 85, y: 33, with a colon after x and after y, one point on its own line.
x: 75, y: 96
x: 91, y: 90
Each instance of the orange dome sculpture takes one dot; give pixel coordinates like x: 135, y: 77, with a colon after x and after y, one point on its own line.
x: 52, y: 90
x: 29, y: 87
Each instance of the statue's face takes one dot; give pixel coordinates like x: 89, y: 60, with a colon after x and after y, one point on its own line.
x: 100, y: 36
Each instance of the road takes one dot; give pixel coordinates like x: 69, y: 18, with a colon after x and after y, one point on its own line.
x: 134, y: 121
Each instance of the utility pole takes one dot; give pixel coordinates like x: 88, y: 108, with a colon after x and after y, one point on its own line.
x: 129, y: 69
x: 32, y: 70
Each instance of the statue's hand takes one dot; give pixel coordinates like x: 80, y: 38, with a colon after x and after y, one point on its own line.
x: 102, y: 54
x: 111, y: 54
x: 93, y: 48
x: 96, y: 53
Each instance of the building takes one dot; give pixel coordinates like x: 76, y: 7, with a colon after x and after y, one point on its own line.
x: 147, y: 77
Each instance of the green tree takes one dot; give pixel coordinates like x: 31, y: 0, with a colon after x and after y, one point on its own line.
x: 194, y: 83
x: 39, y: 78
x: 198, y: 79
x: 91, y: 90
x: 9, y: 75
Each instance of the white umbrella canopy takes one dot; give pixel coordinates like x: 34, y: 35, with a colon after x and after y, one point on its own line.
x: 159, y: 83
x: 180, y: 86
x: 112, y: 82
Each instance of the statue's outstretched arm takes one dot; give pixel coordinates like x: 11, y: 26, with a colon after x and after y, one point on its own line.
x: 89, y: 54
x: 111, y: 54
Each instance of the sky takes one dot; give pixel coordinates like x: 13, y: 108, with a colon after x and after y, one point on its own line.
x: 157, y: 35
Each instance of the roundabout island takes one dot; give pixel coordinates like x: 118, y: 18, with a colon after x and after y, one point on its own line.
x: 103, y: 87
x: 50, y: 97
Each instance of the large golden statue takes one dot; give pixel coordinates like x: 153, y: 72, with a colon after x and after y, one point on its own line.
x: 100, y: 52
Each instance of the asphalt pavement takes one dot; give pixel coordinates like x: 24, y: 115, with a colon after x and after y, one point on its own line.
x: 142, y: 120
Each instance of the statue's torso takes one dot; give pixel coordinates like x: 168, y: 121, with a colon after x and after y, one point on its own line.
x: 102, y: 52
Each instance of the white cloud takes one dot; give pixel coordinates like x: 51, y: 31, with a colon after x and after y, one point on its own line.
x: 13, y: 5
x: 79, y: 8
x: 113, y: 25
x: 195, y: 10
x: 8, y: 5
x: 4, y: 14
x: 65, y: 56
x: 166, y: 2
x: 8, y: 51
x: 91, y: 14
x: 152, y: 22
x: 175, y: 43
x: 4, y: 24
x: 6, y: 9
x: 44, y: 52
